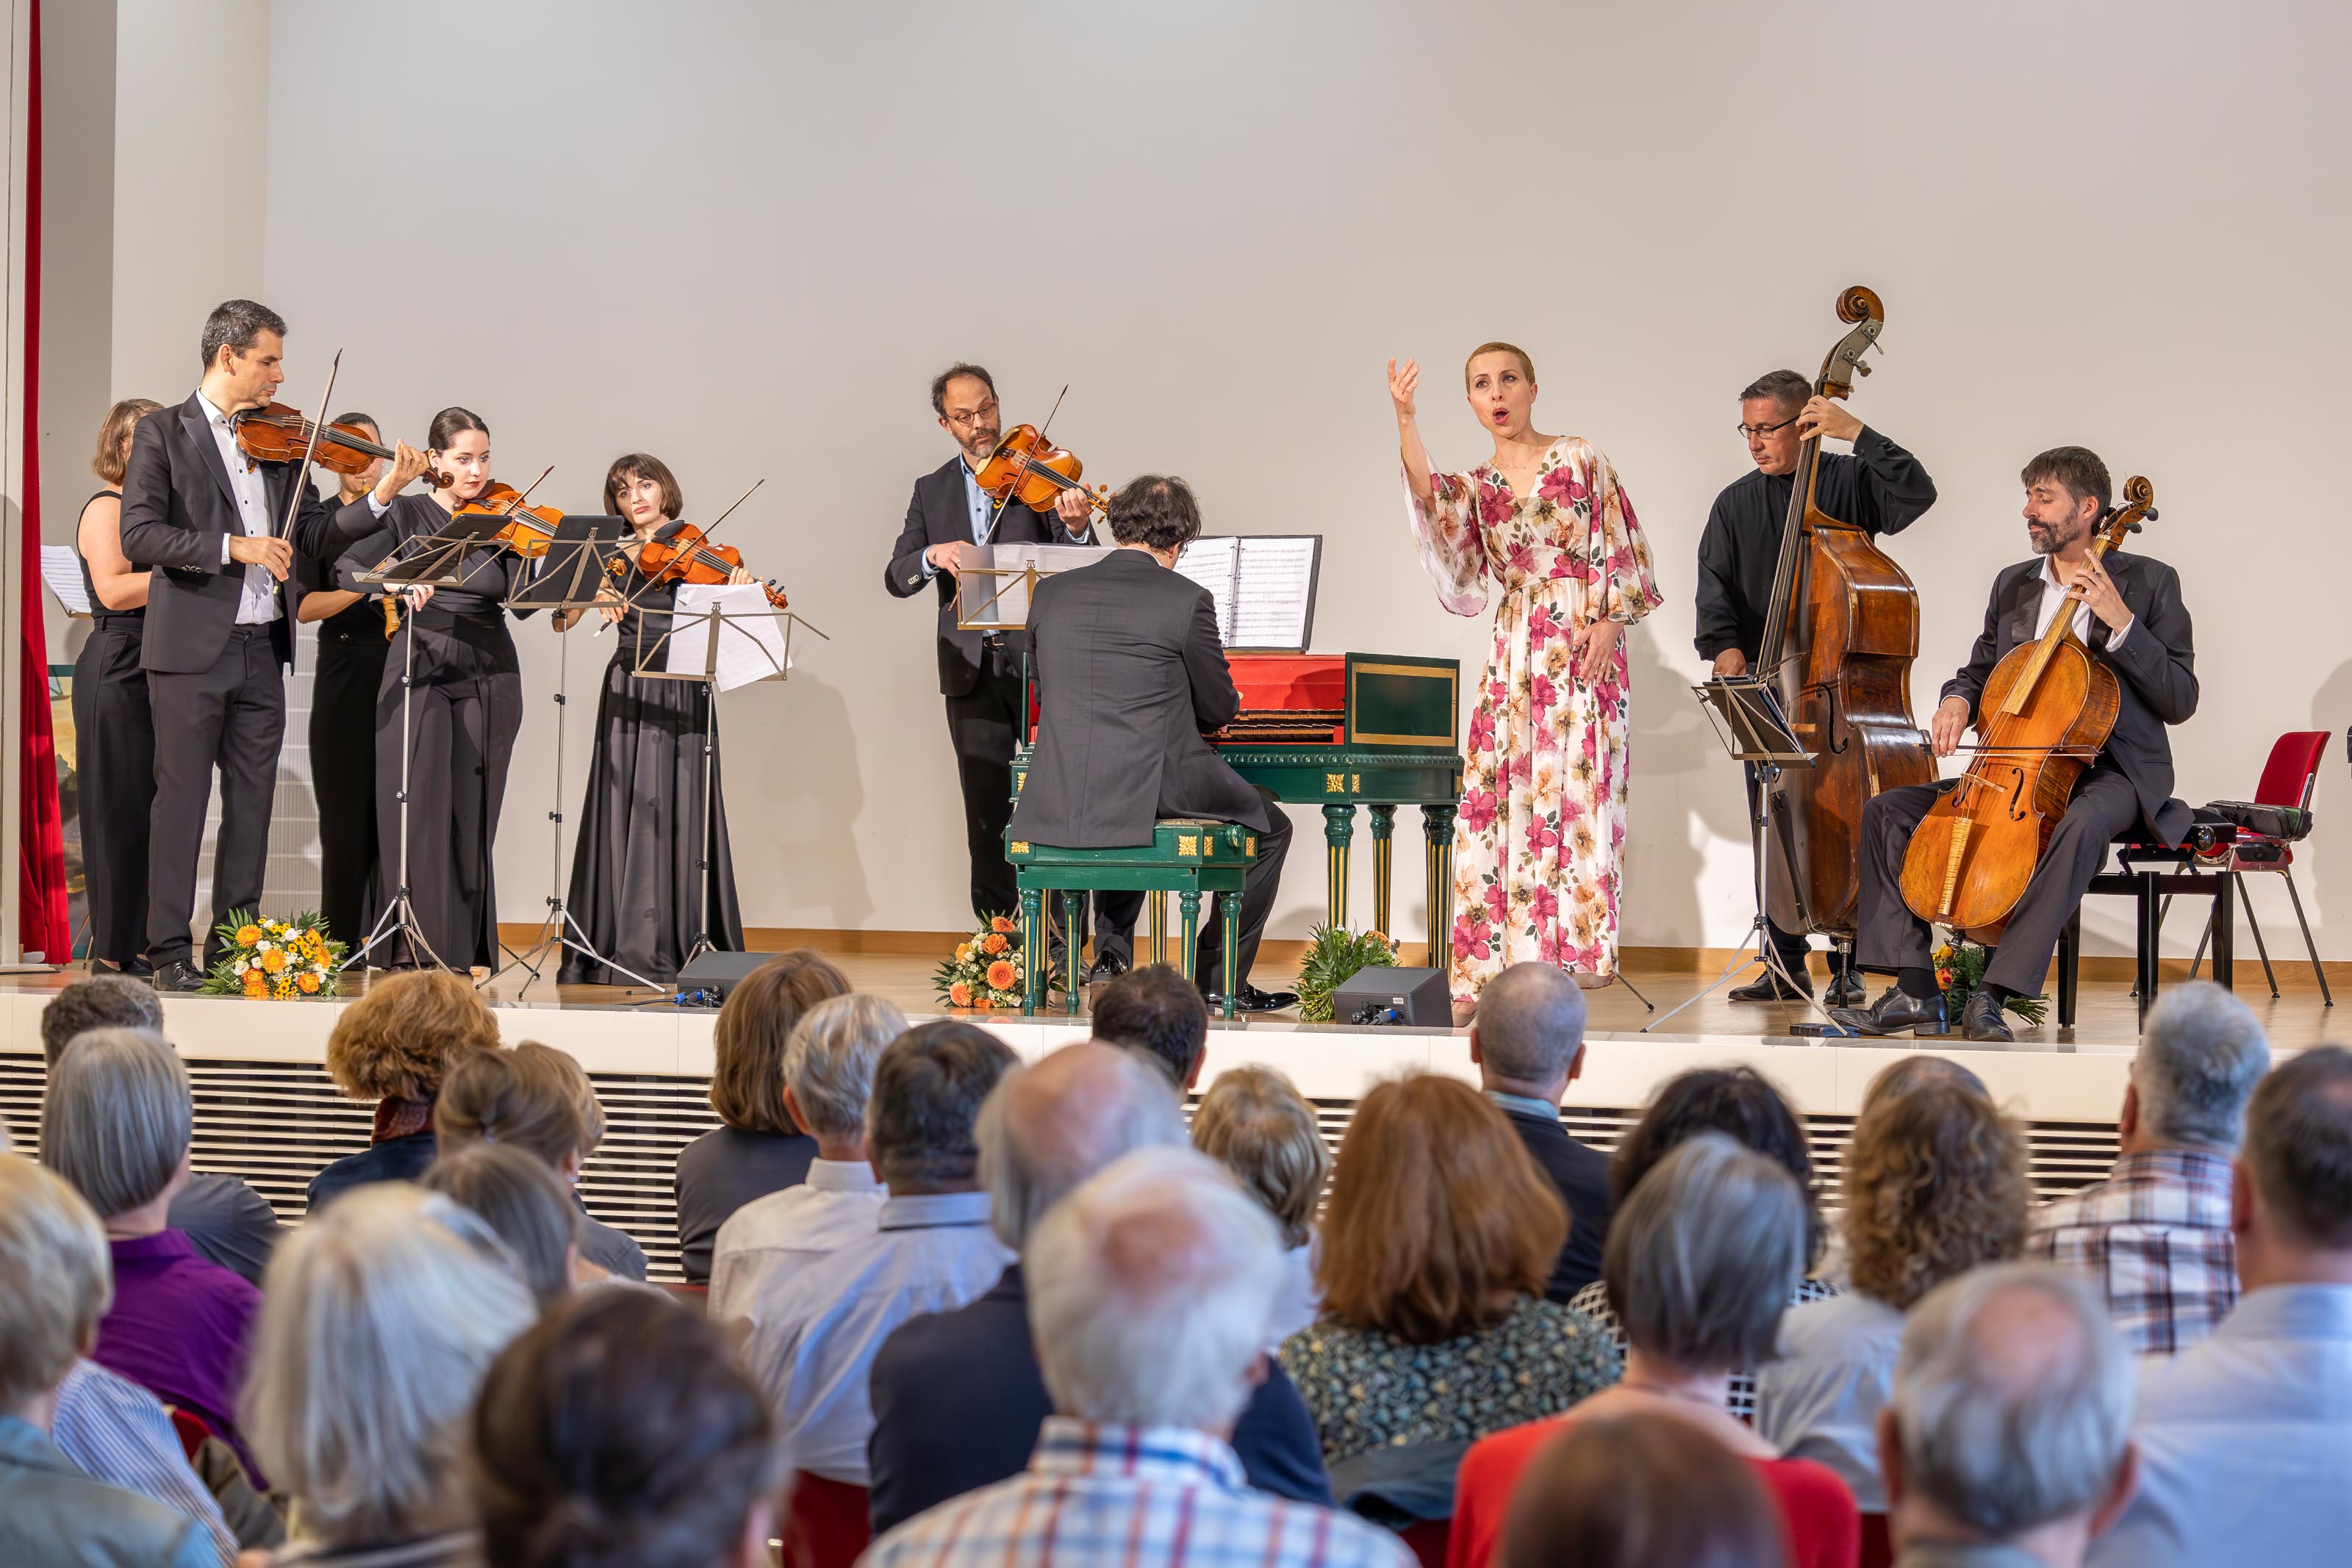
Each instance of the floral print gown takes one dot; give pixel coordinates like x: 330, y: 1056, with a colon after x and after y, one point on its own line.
x: 1542, y: 817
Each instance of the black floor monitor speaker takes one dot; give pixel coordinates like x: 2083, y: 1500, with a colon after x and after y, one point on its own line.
x: 715, y: 974
x: 1387, y: 994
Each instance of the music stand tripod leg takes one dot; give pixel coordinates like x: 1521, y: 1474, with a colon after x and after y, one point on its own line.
x: 399, y: 916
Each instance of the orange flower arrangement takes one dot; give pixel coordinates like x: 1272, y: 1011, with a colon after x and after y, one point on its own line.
x: 269, y: 958
x: 986, y: 971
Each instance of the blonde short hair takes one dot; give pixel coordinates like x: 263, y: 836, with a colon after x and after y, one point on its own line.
x: 1256, y: 1122
x: 1526, y: 366
x: 117, y: 1118
x: 56, y: 1280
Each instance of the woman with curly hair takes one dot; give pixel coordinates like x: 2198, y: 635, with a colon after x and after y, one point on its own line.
x: 394, y: 1046
x: 1935, y: 1186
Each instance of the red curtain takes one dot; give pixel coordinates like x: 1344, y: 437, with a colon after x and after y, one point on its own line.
x: 41, y: 874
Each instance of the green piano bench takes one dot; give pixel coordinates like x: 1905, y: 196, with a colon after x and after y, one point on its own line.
x: 1186, y: 857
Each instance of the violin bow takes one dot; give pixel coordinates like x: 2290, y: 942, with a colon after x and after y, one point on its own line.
x: 1028, y: 463
x: 302, y: 471
x: 507, y: 511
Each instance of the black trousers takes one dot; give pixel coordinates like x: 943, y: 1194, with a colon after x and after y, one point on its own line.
x: 982, y: 726
x: 1257, y: 903
x: 343, y: 775
x: 2105, y: 807
x: 231, y: 717
x: 114, y: 767
x: 1788, y: 947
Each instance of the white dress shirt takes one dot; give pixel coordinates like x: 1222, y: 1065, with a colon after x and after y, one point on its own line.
x: 1821, y: 1399
x: 814, y: 1350
x: 2053, y: 595
x: 772, y: 1238
x: 2246, y: 1441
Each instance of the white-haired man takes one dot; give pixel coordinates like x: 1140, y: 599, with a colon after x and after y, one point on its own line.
x: 2007, y: 1441
x: 1150, y: 1290
x: 2155, y: 1236
x: 2246, y: 1439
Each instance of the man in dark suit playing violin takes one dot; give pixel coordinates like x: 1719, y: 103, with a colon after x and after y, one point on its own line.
x: 980, y: 673
x: 2128, y: 610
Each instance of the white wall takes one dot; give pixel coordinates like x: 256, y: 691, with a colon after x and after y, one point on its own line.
x: 743, y: 236
x: 78, y: 67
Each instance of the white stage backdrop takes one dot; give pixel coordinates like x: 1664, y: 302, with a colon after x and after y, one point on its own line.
x: 744, y: 236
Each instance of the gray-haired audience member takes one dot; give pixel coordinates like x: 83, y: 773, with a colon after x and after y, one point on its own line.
x: 54, y: 1285
x: 828, y: 1080
x: 226, y: 1221
x: 1157, y: 1009
x: 1152, y: 1283
x: 525, y: 1203
x: 2156, y: 1234
x: 1255, y: 1124
x: 2009, y: 1438
x: 2245, y: 1440
x: 1527, y: 1040
x: 381, y: 1315
x: 958, y: 1398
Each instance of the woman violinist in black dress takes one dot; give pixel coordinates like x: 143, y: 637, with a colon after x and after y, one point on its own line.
x: 114, y: 731
x: 636, y: 874
x: 464, y: 711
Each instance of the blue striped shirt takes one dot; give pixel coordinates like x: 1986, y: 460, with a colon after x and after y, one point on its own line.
x: 117, y: 1432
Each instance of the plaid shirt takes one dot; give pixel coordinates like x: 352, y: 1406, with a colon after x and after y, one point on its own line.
x: 2156, y: 1235
x: 1158, y: 1497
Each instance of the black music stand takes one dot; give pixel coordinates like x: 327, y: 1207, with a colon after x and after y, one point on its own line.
x: 1748, y: 718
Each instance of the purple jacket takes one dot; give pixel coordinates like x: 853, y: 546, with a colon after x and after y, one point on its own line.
x: 179, y: 1327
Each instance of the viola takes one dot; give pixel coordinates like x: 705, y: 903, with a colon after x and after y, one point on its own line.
x: 686, y: 555
x: 1027, y: 468
x: 278, y: 433
x: 2046, y: 710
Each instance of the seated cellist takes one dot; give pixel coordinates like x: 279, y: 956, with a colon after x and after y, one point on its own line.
x: 2128, y: 610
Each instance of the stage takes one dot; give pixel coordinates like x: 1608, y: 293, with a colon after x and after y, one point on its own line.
x: 266, y: 1111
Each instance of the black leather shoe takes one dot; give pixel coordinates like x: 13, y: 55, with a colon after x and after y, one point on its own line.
x: 1767, y: 987
x: 1893, y: 1012
x: 1249, y: 999
x: 1108, y: 967
x: 1846, y: 990
x: 178, y: 977
x: 1980, y: 1020
x: 129, y: 969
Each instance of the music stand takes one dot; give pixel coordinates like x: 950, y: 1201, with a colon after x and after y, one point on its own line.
x: 1015, y: 570
x: 1748, y: 718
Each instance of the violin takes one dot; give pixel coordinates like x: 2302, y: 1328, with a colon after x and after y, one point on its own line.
x: 529, y: 530
x: 1027, y: 468
x: 278, y: 433
x: 2046, y: 710
x: 686, y: 555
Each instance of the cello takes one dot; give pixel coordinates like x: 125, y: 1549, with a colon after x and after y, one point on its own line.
x: 2045, y: 711
x: 1839, y: 638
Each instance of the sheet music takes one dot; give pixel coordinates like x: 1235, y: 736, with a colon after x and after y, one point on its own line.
x: 1004, y: 600
x: 750, y: 648
x: 1263, y: 586
x: 61, y: 569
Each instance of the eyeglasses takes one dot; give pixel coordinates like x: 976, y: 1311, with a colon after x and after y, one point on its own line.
x: 968, y: 421
x: 1751, y: 432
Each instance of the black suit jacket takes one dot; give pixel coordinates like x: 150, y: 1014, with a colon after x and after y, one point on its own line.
x: 1130, y: 675
x: 939, y: 514
x: 958, y: 1400
x: 2156, y: 668
x: 1582, y: 1174
x: 177, y: 507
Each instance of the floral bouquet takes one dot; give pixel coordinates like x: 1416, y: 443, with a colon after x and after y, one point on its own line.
x: 986, y: 969
x: 274, y: 959
x: 1960, y: 969
x: 1334, y: 955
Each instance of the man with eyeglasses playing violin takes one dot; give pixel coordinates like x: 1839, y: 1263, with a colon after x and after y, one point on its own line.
x: 1881, y: 489
x: 980, y: 673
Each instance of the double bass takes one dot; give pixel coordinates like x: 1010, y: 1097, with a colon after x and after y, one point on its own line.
x: 1839, y: 638
x: 2045, y: 711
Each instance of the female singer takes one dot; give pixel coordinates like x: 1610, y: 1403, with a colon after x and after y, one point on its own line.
x: 636, y: 875
x: 351, y: 640
x: 464, y: 711
x: 114, y: 732
x: 1543, y: 800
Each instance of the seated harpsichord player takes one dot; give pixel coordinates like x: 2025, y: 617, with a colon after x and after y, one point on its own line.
x: 1131, y: 677
x: 2128, y: 612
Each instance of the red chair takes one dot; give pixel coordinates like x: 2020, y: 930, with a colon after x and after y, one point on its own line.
x: 2287, y: 780
x: 693, y: 1298
x: 191, y: 1428
x: 1427, y: 1539
x: 1877, y: 1546
x: 825, y: 1525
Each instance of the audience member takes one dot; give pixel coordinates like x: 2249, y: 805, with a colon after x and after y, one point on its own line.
x: 223, y: 1219
x: 524, y: 1203
x: 2245, y: 1440
x: 620, y: 1432
x: 1739, y: 1101
x: 536, y: 1098
x: 1157, y: 1009
x: 1255, y: 1121
x: 394, y: 1046
x: 1640, y: 1490
x: 378, y: 1318
x: 1702, y: 1257
x: 115, y: 1124
x: 2155, y: 1236
x: 1437, y: 1241
x: 2008, y: 1443
x: 827, y: 1078
x: 958, y: 1396
x: 1910, y: 1072
x: 53, y: 1289
x: 1527, y: 1040
x: 1935, y: 1185
x: 758, y: 1148
x: 1150, y: 1289
x: 930, y: 1249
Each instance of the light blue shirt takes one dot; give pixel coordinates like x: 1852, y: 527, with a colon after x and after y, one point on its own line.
x: 981, y: 502
x: 1525, y: 1105
x: 117, y: 1432
x: 1821, y: 1399
x: 2246, y: 1441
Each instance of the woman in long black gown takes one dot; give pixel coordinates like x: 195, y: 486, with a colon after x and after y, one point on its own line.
x: 114, y: 730
x: 463, y: 713
x: 635, y: 872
